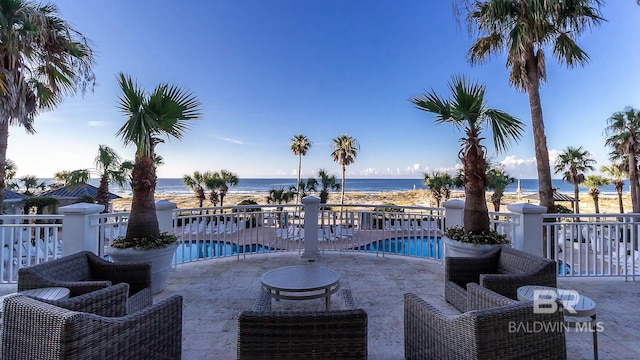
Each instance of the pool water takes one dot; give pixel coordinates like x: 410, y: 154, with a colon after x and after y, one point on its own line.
x: 427, y: 247
x: 211, y: 249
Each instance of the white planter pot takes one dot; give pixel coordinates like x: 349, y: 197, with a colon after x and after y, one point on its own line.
x: 160, y: 260
x: 455, y: 248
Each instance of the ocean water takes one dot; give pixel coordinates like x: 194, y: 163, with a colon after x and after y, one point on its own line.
x: 367, y: 185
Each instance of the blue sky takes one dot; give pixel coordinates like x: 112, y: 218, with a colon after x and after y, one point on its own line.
x: 267, y: 70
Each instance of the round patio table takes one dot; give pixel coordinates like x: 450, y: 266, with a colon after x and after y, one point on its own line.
x: 580, y: 309
x: 302, y: 282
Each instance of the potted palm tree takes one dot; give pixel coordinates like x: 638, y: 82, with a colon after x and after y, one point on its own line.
x: 164, y: 112
x: 466, y: 110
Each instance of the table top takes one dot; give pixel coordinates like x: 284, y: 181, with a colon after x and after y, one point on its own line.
x: 575, y: 304
x: 300, y: 278
x: 48, y: 293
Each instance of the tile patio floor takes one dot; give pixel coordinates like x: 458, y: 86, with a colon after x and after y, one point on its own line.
x: 216, y: 291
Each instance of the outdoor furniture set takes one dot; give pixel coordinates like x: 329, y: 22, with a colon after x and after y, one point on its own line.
x: 109, y: 314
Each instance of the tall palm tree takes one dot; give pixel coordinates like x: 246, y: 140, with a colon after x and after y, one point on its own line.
x: 110, y: 169
x: 497, y: 180
x: 623, y: 131
x: 72, y: 178
x: 439, y: 183
x: 300, y: 144
x: 195, y: 182
x: 345, y: 149
x: 224, y: 179
x: 328, y: 182
x: 523, y: 29
x: 466, y: 110
x: 616, y: 175
x: 166, y: 111
x: 573, y: 163
x: 42, y: 59
x: 594, y: 182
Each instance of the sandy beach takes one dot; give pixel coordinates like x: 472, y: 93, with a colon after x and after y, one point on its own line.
x: 608, y: 204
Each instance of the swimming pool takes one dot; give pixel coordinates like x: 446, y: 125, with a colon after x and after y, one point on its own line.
x: 426, y: 247
x: 210, y: 249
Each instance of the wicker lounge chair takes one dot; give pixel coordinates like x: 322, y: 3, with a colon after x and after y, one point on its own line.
x: 335, y: 334
x: 490, y: 330
x: 85, y: 272
x: 503, y: 270
x: 33, y: 329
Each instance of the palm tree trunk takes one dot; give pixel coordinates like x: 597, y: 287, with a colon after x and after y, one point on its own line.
x: 344, y: 168
x: 633, y: 179
x: 102, y: 196
x: 576, y: 195
x: 4, y: 137
x: 545, y: 189
x: 620, y: 202
x: 143, y: 221
x: 476, y: 213
x: 298, y: 183
x: 596, y: 202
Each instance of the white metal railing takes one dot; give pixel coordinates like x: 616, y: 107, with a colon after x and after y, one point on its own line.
x: 593, y: 245
x: 28, y: 240
x: 108, y: 226
x: 206, y: 233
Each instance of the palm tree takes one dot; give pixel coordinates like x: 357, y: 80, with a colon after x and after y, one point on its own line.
x: 623, y: 131
x: 43, y: 59
x: 31, y: 182
x: 280, y: 195
x: 439, y: 183
x: 300, y: 144
x: 345, y: 149
x: 573, y: 163
x: 522, y: 29
x: 307, y: 186
x: 72, y: 178
x: 466, y: 110
x: 616, y: 175
x: 328, y: 182
x: 166, y: 111
x: 195, y: 182
x: 497, y: 180
x: 594, y: 182
x: 224, y: 179
x: 110, y: 169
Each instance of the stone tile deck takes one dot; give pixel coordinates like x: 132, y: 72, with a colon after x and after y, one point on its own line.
x: 216, y: 291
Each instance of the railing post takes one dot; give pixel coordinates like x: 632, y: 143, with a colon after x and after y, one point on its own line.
x: 311, y: 206
x: 164, y: 212
x: 77, y: 232
x: 453, y: 213
x: 528, y: 234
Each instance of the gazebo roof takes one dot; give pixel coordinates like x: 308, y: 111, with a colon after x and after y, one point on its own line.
x: 76, y: 192
x: 556, y: 197
x: 12, y: 196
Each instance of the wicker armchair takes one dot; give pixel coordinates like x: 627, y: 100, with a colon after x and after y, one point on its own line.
x: 85, y: 272
x: 335, y: 334
x: 503, y: 270
x: 495, y: 328
x: 33, y: 329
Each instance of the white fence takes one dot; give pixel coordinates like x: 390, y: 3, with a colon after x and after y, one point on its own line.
x: 593, y: 245
x: 585, y: 245
x: 28, y: 240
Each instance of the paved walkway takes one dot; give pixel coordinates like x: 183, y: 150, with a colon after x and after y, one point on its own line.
x: 216, y: 291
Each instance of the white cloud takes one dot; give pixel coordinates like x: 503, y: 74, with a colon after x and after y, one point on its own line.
x: 230, y: 140
x: 97, y: 123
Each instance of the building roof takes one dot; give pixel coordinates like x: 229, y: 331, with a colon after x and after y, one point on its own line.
x: 76, y: 192
x: 556, y: 197
x: 12, y: 196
